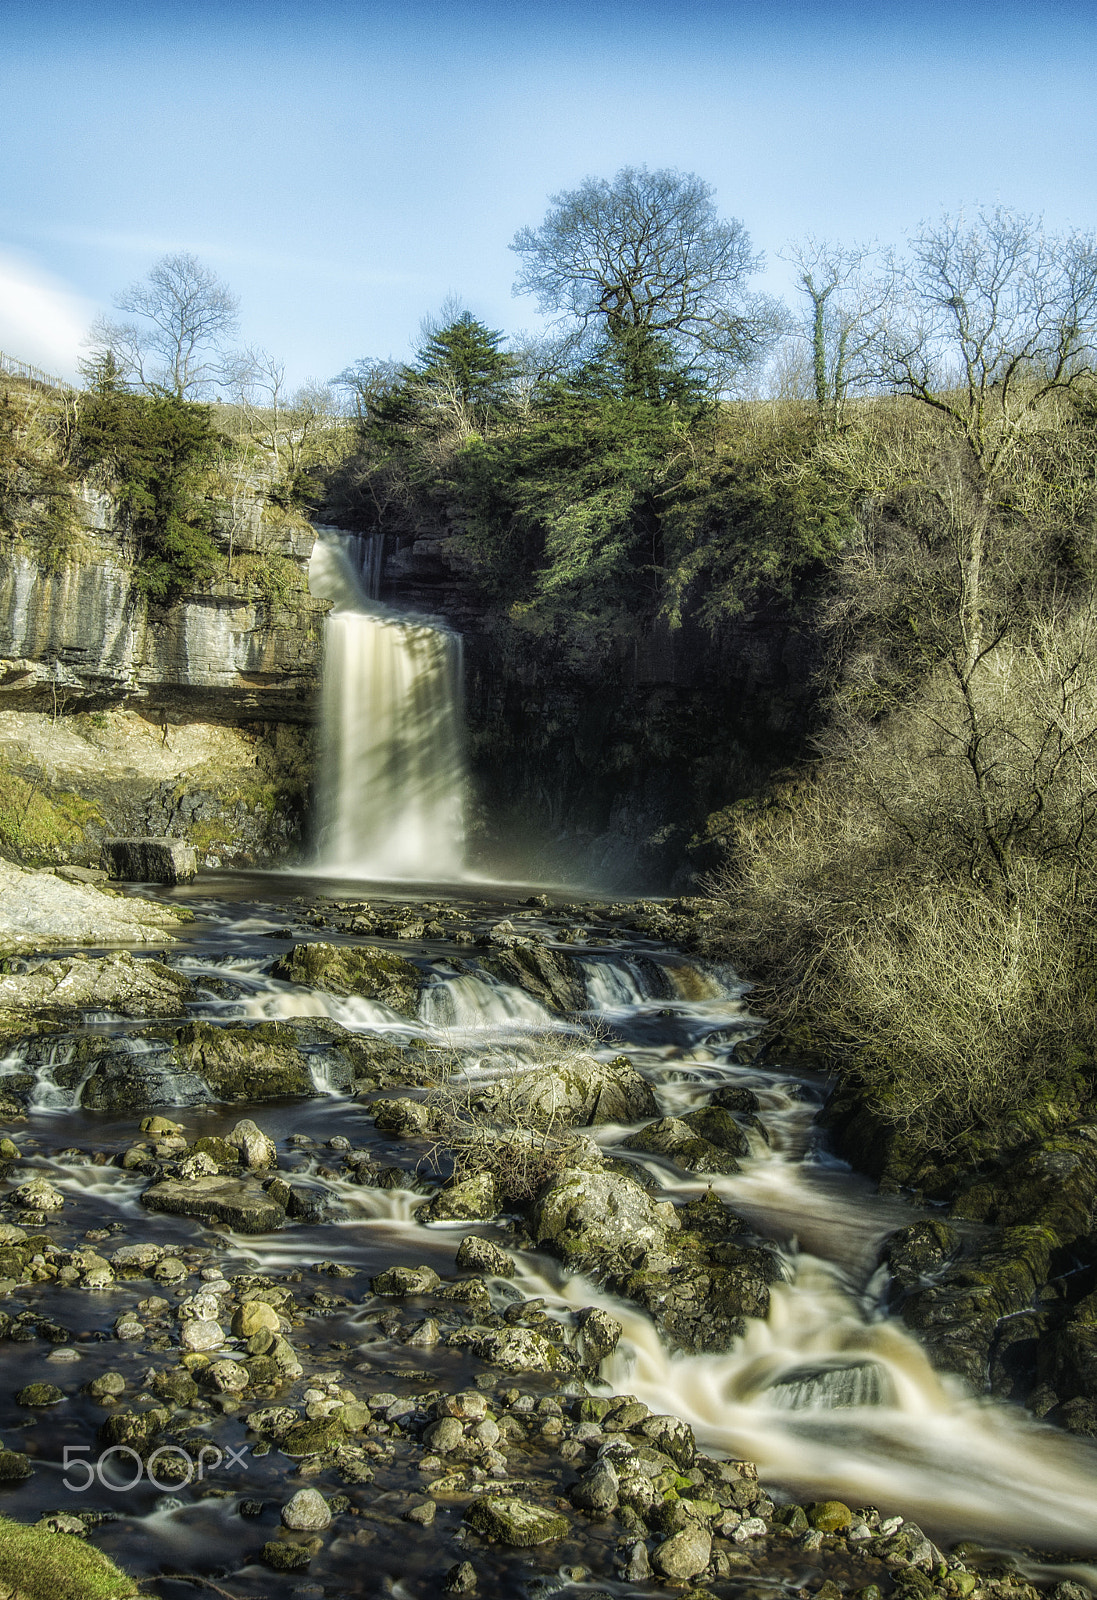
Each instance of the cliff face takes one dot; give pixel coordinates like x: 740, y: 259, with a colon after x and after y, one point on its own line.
x: 196, y: 719
x: 610, y: 776
x: 117, y: 716
x: 84, y: 634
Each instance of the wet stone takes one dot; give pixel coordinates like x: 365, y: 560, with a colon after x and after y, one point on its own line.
x: 307, y: 1512
x: 684, y: 1554
x: 515, y: 1522
x: 482, y: 1255
x: 404, y: 1281
x: 38, y: 1195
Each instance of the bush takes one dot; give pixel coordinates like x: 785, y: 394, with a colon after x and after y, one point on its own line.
x: 153, y: 453
x: 949, y: 1006
x: 520, y: 1148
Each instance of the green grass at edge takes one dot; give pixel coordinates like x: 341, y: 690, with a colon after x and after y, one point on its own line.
x: 40, y: 1565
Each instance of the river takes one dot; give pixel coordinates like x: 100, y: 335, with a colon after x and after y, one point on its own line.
x: 829, y: 1395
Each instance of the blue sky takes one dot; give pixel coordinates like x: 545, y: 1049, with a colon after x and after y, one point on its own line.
x: 345, y: 167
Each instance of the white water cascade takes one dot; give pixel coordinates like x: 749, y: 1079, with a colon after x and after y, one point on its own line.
x: 392, y: 772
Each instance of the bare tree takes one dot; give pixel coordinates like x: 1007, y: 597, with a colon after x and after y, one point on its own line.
x: 846, y: 315
x: 369, y: 382
x: 993, y: 316
x: 177, y: 346
x: 287, y: 423
x: 648, y: 256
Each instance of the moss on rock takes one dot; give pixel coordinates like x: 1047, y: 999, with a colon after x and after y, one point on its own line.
x: 263, y: 1062
x: 345, y: 969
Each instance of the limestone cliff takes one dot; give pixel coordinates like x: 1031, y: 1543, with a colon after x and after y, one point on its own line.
x: 121, y: 716
x: 246, y: 647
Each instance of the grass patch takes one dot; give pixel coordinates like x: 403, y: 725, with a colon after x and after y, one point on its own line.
x: 38, y: 828
x: 36, y: 1564
x: 275, y: 578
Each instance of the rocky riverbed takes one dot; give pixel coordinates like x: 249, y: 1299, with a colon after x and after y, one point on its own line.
x: 364, y: 1246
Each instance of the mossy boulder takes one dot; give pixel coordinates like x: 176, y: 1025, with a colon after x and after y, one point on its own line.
x: 474, y: 1199
x: 958, y: 1317
x: 717, y: 1125
x: 676, y: 1140
x: 1052, y: 1183
x: 598, y: 1221
x: 699, y: 1304
x: 218, y: 1150
x: 550, y: 976
x: 917, y: 1253
x: 40, y: 1394
x: 404, y: 1281
x: 508, y: 1520
x: 346, y: 969
x: 1067, y: 1359
x: 36, y: 1564
x: 512, y: 1349
x: 242, y: 1204
x: 14, y: 1467
x: 129, y: 1074
x: 262, y: 1062
x: 312, y: 1437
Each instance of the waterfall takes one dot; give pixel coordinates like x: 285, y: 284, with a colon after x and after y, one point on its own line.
x: 392, y: 766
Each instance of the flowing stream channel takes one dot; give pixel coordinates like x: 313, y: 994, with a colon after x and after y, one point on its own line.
x: 829, y: 1394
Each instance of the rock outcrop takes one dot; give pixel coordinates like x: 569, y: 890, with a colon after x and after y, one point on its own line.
x: 38, y: 909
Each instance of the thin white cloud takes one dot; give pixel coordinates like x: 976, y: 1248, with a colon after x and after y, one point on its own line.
x: 222, y: 254
x: 42, y: 320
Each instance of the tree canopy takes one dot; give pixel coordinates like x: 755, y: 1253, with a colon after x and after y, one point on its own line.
x: 648, y: 255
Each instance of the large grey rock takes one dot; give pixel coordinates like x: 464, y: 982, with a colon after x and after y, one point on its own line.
x: 511, y: 1349
x: 38, y: 909
x: 149, y: 860
x: 257, y: 1149
x: 574, y: 1092
x: 243, y: 1205
x: 685, y: 1554
x: 106, y: 983
x: 677, y: 1141
x: 307, y: 1512
x: 481, y: 1255
x: 597, y: 1220
x: 597, y: 1489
